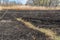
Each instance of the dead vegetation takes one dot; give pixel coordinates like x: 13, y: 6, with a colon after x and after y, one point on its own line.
x: 47, y: 32
x: 16, y: 7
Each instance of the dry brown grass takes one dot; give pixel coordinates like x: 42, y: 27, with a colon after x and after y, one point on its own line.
x: 16, y: 7
x: 47, y: 32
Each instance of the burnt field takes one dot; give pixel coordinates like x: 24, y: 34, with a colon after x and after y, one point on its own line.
x: 12, y: 29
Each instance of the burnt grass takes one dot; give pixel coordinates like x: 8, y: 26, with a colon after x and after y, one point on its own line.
x: 11, y: 29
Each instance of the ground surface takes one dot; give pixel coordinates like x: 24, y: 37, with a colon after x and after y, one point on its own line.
x: 11, y: 29
x: 18, y: 31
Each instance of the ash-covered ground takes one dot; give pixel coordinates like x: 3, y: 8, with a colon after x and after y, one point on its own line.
x: 11, y: 29
x: 15, y: 30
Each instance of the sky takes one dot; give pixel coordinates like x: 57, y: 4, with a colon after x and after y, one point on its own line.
x: 22, y: 1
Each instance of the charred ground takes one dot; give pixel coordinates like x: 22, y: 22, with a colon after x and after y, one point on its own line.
x: 11, y: 29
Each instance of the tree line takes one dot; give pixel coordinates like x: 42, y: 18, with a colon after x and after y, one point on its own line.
x: 32, y: 2
x: 43, y: 2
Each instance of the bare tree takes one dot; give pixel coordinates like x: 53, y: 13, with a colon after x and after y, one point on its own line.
x: 30, y: 2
